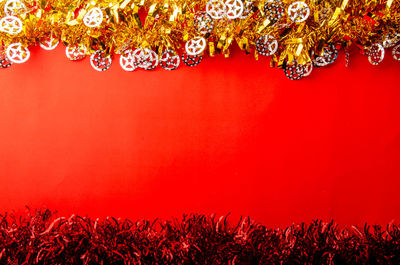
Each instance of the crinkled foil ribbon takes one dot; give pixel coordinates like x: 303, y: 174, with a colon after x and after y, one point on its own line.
x: 161, y: 25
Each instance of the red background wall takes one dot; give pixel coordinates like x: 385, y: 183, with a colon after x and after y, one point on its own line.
x: 231, y: 135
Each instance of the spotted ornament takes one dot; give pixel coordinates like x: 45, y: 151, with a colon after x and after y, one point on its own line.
x: 203, y: 23
x: 329, y: 56
x: 99, y: 61
x: 169, y: 60
x: 76, y: 52
x: 267, y: 45
x: 295, y: 71
x: 146, y: 58
x: 4, y: 61
x: 191, y: 60
x: 274, y: 10
x: 376, y: 53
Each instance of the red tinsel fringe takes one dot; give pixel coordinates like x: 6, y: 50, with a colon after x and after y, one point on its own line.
x: 41, y: 238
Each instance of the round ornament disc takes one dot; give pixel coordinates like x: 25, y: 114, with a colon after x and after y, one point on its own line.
x: 145, y: 58
x: 329, y: 56
x: 75, y: 53
x: 274, y: 10
x: 169, y: 60
x: 267, y: 45
x: 376, y: 53
x: 191, y: 60
x: 234, y: 8
x: 14, y: 7
x: 195, y: 46
x: 295, y: 71
x: 128, y: 61
x: 99, y: 61
x: 203, y: 23
x: 93, y: 18
x: 17, y: 54
x: 298, y: 11
x: 216, y: 9
x: 11, y: 25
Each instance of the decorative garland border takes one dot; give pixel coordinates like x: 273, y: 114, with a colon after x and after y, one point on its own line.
x: 41, y: 238
x: 297, y: 35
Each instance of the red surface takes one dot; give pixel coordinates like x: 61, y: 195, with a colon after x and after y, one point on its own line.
x: 228, y: 136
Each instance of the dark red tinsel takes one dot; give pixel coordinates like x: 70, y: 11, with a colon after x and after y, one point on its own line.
x: 41, y: 238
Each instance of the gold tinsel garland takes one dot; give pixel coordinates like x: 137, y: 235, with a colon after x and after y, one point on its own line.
x: 305, y: 31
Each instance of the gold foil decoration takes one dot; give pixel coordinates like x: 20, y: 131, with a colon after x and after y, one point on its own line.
x: 169, y: 24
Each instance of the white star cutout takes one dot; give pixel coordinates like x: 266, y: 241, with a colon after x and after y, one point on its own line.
x: 195, y: 46
x: 17, y: 54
